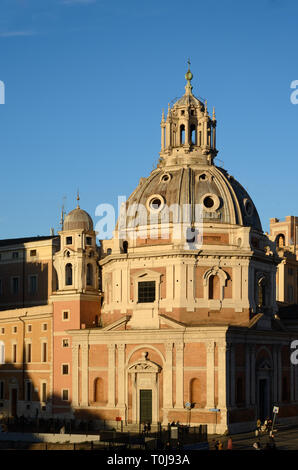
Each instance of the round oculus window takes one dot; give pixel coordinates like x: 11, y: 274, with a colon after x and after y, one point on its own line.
x: 248, y: 206
x: 155, y: 203
x: 166, y: 177
x: 208, y: 202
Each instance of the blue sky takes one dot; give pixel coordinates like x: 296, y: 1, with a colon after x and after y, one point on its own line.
x: 86, y: 81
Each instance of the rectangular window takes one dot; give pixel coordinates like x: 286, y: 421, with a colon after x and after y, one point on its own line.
x: 28, y: 391
x: 44, y: 392
x: 68, y: 240
x: 146, y: 291
x: 28, y: 353
x: 32, y: 252
x: 44, y: 327
x: 65, y: 315
x: 88, y: 241
x: 1, y: 390
x: 14, y: 329
x: 15, y: 255
x: 44, y: 351
x: 65, y: 369
x: 15, y: 285
x: 2, y: 331
x: 14, y: 353
x: 65, y: 395
x: 33, y: 284
x: 65, y: 343
x: 29, y: 328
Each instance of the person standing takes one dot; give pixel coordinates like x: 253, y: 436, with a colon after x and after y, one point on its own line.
x: 230, y: 443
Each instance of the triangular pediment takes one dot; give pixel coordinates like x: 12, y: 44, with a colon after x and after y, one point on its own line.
x: 171, y: 323
x: 117, y: 325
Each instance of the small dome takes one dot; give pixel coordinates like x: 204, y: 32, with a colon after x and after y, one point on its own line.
x: 78, y: 219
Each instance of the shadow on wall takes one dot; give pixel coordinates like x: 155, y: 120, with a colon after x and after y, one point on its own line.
x: 28, y: 409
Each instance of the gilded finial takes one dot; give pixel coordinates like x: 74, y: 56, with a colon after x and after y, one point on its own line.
x: 188, y: 77
x: 78, y: 198
x: 188, y: 74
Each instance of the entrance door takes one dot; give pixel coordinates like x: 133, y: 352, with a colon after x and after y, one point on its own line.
x: 263, y: 399
x: 145, y: 406
x: 13, y: 401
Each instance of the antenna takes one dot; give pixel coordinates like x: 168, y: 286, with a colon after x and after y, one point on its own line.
x: 62, y: 212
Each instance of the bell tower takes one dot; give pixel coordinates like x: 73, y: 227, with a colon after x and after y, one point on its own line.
x: 188, y: 134
x: 77, y: 300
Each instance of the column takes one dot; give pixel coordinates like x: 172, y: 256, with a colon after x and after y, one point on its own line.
x: 247, y: 375
x: 191, y: 283
x: 75, y: 375
x: 275, y: 373
x: 111, y: 375
x: 84, y: 373
x: 222, y: 374
x: 170, y: 284
x: 232, y: 375
x: 279, y: 372
x: 187, y: 136
x: 121, y: 375
x: 168, y: 377
x: 253, y: 375
x: 210, y: 374
x: 292, y: 386
x: 179, y: 375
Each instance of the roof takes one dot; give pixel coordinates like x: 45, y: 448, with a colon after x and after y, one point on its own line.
x: 21, y: 241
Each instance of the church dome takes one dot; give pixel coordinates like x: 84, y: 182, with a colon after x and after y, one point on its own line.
x: 223, y: 199
x: 78, y: 219
x: 186, y: 175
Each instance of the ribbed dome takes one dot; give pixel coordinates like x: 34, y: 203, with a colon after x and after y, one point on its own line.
x: 78, y: 219
x: 223, y: 199
x: 188, y: 100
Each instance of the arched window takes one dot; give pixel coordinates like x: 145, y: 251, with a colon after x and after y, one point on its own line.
x: 195, y: 392
x: 2, y: 352
x: 182, y: 134
x: 98, y: 389
x: 280, y: 240
x: 262, y: 292
x: 193, y: 136
x: 68, y: 274
x: 214, y: 287
x: 89, y: 274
